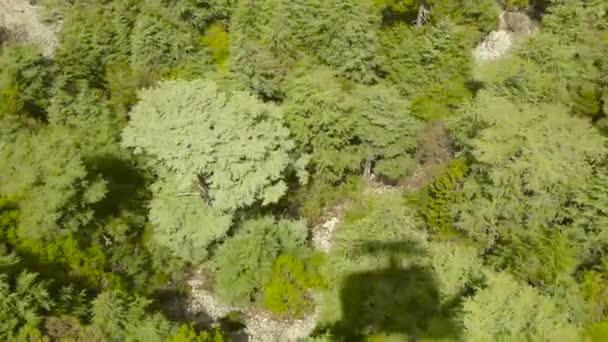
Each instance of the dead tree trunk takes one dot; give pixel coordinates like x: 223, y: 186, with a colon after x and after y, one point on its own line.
x: 367, y: 170
x: 203, y: 187
x: 423, y: 13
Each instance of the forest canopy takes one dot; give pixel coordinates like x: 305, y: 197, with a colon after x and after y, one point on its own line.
x: 304, y: 170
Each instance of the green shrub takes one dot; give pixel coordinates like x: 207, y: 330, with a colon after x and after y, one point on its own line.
x: 319, y: 196
x: 49, y: 256
x: 441, y: 193
x: 123, y: 83
x: 244, y: 262
x: 11, y: 100
x: 287, y: 293
x: 434, y: 72
x: 595, y: 285
x: 188, y: 333
x: 216, y: 39
x: 517, y: 3
x: 86, y: 263
x: 596, y: 332
x: 25, y: 77
x: 9, y: 217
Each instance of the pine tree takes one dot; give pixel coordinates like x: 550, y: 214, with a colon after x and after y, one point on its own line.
x: 530, y: 169
x: 387, y: 130
x: 124, y: 317
x: 508, y: 310
x: 47, y: 172
x: 157, y: 43
x: 22, y: 303
x: 345, y: 126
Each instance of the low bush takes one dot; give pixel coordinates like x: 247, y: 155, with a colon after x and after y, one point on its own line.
x: 288, y: 293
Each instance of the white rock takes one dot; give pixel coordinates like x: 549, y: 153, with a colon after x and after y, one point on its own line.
x: 322, y: 235
x: 496, y: 45
x: 23, y: 23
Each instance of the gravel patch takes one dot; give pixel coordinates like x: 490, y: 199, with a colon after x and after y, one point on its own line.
x: 202, y: 300
x: 260, y: 325
x: 496, y: 45
x: 21, y: 22
x: 322, y: 234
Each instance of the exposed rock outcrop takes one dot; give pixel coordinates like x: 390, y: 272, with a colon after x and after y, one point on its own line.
x: 512, y: 27
x: 20, y: 22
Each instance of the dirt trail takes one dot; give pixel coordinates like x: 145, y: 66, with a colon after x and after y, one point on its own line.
x: 22, y: 23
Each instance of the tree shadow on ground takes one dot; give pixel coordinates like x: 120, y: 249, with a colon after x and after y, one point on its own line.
x: 126, y: 181
x: 391, y: 17
x: 395, y: 301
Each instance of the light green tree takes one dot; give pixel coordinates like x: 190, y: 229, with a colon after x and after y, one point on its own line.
x: 230, y: 149
x: 184, y: 224
x: 233, y: 147
x: 507, y: 310
x: 531, y: 167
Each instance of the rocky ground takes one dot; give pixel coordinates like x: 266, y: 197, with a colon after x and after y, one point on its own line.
x: 260, y: 325
x: 512, y: 27
x: 20, y: 22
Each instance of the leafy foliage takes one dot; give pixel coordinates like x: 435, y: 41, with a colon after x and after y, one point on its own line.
x: 434, y: 72
x: 518, y: 194
x: 185, y: 225
x: 245, y: 262
x: 123, y: 317
x: 442, y: 192
x: 237, y: 141
x: 506, y: 309
x: 187, y: 333
x: 498, y: 232
x: 216, y: 38
x: 50, y: 177
x: 286, y: 293
x: 339, y: 124
x: 22, y: 303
